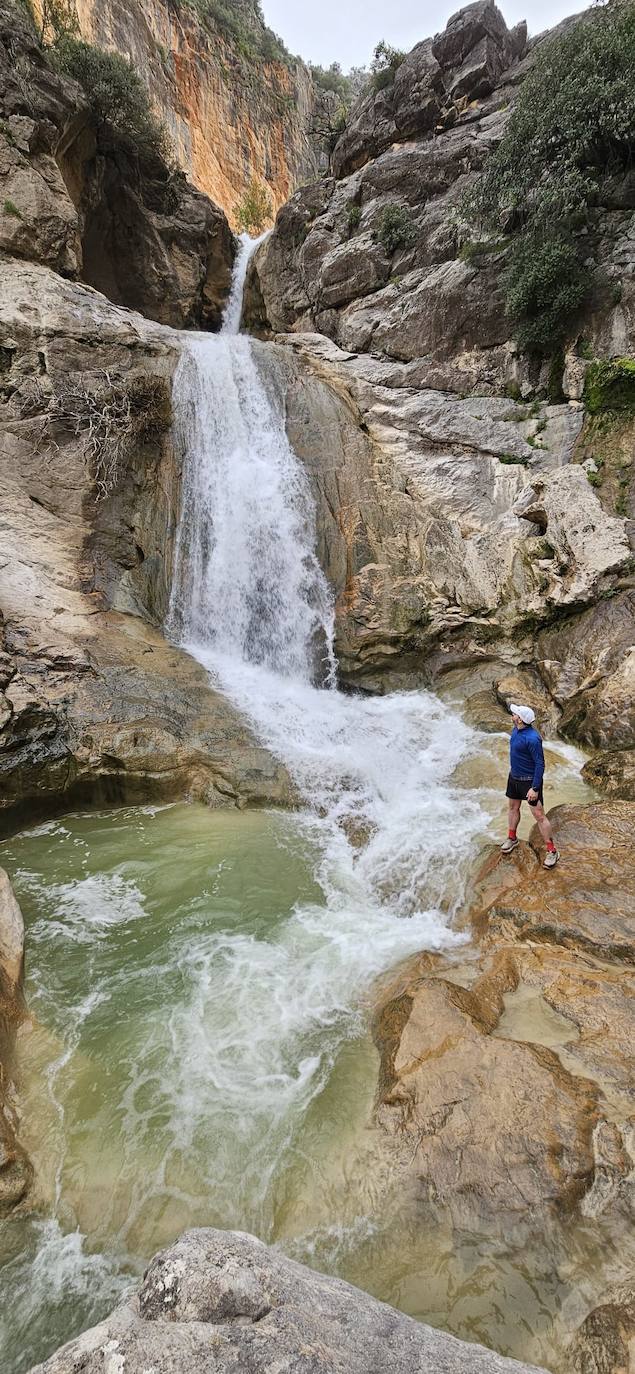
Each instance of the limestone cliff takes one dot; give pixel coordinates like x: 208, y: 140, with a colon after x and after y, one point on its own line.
x: 230, y: 115
x: 83, y: 199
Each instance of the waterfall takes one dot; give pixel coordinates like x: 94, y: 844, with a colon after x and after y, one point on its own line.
x: 251, y: 603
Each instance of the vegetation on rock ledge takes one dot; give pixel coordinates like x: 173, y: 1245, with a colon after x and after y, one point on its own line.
x: 572, y: 127
x: 255, y: 208
x: 610, y: 386
x: 115, y: 92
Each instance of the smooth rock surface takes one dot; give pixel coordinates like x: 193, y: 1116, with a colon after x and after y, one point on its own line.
x: 16, y: 1172
x: 222, y: 1301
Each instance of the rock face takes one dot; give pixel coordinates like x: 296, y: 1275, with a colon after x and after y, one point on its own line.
x: 454, y: 530
x: 504, y: 1128
x: 81, y: 200
x: 219, y: 1300
x: 227, y: 123
x: 15, y: 1169
x: 94, y: 703
x: 463, y: 524
x: 430, y: 295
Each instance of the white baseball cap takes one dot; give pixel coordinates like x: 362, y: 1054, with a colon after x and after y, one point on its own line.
x: 524, y: 712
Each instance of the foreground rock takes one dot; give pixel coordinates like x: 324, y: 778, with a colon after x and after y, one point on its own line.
x: 219, y: 1300
x: 507, y: 1078
x: 94, y: 704
x: 15, y: 1169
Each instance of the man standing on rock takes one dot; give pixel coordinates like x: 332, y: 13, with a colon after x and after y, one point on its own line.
x: 527, y: 767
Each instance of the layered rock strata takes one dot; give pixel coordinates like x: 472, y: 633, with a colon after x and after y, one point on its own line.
x: 221, y: 1301
x: 85, y: 201
x: 458, y: 531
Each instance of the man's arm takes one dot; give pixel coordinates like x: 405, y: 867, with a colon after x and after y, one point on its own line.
x: 536, y: 751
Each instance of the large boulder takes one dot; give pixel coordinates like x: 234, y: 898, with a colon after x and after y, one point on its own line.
x: 463, y: 62
x: 222, y: 1301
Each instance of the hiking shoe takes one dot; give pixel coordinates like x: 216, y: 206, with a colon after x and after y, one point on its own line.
x: 508, y: 845
x: 551, y: 858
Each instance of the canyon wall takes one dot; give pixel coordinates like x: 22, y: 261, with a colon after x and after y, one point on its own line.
x: 229, y: 117
x: 485, y: 514
x: 82, y: 198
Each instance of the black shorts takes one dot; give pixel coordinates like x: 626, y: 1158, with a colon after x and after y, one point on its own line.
x: 517, y: 789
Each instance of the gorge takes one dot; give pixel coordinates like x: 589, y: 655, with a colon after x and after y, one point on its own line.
x: 307, y: 572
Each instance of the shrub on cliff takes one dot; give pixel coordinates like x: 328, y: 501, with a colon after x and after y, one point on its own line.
x: 255, y: 208
x: 385, y: 63
x: 243, y: 26
x: 573, y: 125
x: 115, y: 92
x: 395, y: 228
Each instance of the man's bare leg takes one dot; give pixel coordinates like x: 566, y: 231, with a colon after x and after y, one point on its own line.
x: 542, y: 823
x: 552, y: 855
x: 513, y: 817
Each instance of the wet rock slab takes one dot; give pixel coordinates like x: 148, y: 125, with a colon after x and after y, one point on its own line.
x: 222, y: 1301
x: 507, y: 1081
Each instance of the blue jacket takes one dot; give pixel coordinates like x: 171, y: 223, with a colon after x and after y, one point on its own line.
x: 526, y: 759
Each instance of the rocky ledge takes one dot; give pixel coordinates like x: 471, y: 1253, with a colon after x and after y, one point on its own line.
x: 222, y: 1301
x: 507, y: 1075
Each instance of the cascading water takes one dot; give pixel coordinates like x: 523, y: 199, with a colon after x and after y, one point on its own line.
x: 251, y: 603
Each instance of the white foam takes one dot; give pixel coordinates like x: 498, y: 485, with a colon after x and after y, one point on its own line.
x: 87, y: 908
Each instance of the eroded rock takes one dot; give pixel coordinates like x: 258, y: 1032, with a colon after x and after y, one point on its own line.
x: 219, y: 1300
x: 443, y: 531
x: 16, y: 1172
x: 507, y: 1081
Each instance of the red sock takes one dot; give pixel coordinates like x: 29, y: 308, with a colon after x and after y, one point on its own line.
x: 551, y: 846
x: 511, y: 834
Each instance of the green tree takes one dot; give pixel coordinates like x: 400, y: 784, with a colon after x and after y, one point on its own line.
x: 395, y: 228
x: 254, y: 209
x: 573, y: 126
x: 384, y: 66
x: 115, y: 92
